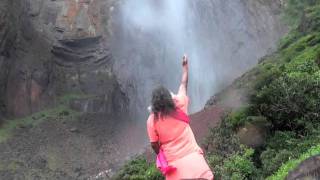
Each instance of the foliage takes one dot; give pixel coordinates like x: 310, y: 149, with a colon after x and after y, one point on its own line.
x: 295, y: 10
x: 284, y: 90
x: 293, y: 163
x: 290, y: 102
x: 238, y: 166
x: 222, y: 140
x: 139, y: 169
x: 239, y: 117
x: 290, y: 98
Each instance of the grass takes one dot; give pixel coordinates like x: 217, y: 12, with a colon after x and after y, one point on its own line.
x: 12, y: 165
x: 60, y: 111
x: 292, y: 164
x: 67, y: 97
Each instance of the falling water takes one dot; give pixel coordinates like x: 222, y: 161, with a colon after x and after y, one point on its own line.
x: 220, y: 37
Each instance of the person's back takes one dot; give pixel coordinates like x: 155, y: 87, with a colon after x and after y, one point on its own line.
x: 174, y: 137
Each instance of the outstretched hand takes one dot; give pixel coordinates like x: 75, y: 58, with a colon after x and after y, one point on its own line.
x: 184, y: 79
x: 185, y: 62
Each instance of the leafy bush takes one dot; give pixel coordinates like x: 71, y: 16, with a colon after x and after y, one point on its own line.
x: 295, y: 11
x: 290, y: 102
x: 238, y: 166
x: 239, y: 117
x: 139, y: 169
x: 293, y: 163
x: 285, y: 91
x: 222, y: 140
x: 272, y: 159
x: 283, y: 146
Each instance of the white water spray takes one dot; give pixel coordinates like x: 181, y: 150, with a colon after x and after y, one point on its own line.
x: 172, y: 21
x: 217, y: 35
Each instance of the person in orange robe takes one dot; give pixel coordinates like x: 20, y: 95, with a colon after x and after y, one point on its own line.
x: 174, y: 137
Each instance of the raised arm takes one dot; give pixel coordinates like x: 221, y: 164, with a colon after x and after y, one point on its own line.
x: 184, y: 81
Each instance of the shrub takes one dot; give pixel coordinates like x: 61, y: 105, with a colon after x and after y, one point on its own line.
x: 293, y: 163
x: 283, y: 146
x: 272, y: 159
x: 290, y: 101
x: 138, y: 169
x: 295, y: 11
x: 239, y: 166
x: 239, y: 117
x: 222, y: 140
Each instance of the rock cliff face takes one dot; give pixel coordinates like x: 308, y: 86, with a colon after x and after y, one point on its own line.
x: 51, y: 48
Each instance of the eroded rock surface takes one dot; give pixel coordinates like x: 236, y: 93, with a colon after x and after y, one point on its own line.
x: 51, y: 48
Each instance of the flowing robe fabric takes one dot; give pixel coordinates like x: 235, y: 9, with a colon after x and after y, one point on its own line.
x: 179, y: 145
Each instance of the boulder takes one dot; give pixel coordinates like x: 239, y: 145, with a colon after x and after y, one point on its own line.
x: 253, y: 134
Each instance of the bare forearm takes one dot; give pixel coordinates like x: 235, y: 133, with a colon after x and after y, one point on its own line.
x: 184, y: 80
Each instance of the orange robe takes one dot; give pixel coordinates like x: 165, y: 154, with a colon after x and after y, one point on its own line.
x: 179, y: 145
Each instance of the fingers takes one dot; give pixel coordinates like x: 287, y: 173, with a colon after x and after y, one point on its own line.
x: 185, y: 60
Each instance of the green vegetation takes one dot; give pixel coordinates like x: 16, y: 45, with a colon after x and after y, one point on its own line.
x: 59, y: 112
x: 13, y: 165
x: 284, y: 93
x: 139, y: 169
x: 293, y: 163
x: 238, y: 165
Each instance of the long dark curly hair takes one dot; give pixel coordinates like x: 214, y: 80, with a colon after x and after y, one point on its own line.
x: 162, y: 102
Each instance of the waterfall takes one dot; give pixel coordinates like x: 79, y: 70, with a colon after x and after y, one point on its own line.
x: 223, y: 39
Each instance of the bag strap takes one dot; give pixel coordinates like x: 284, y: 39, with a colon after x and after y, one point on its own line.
x: 178, y: 114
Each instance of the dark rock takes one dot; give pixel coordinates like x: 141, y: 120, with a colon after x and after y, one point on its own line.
x: 308, y: 169
x: 78, y: 171
x: 39, y: 162
x: 24, y: 126
x: 64, y: 113
x: 52, y: 48
x: 74, y: 130
x: 35, y: 7
x: 254, y: 134
x: 251, y: 136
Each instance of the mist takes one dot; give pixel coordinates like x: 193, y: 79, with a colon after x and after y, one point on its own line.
x: 172, y: 21
x: 217, y: 36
